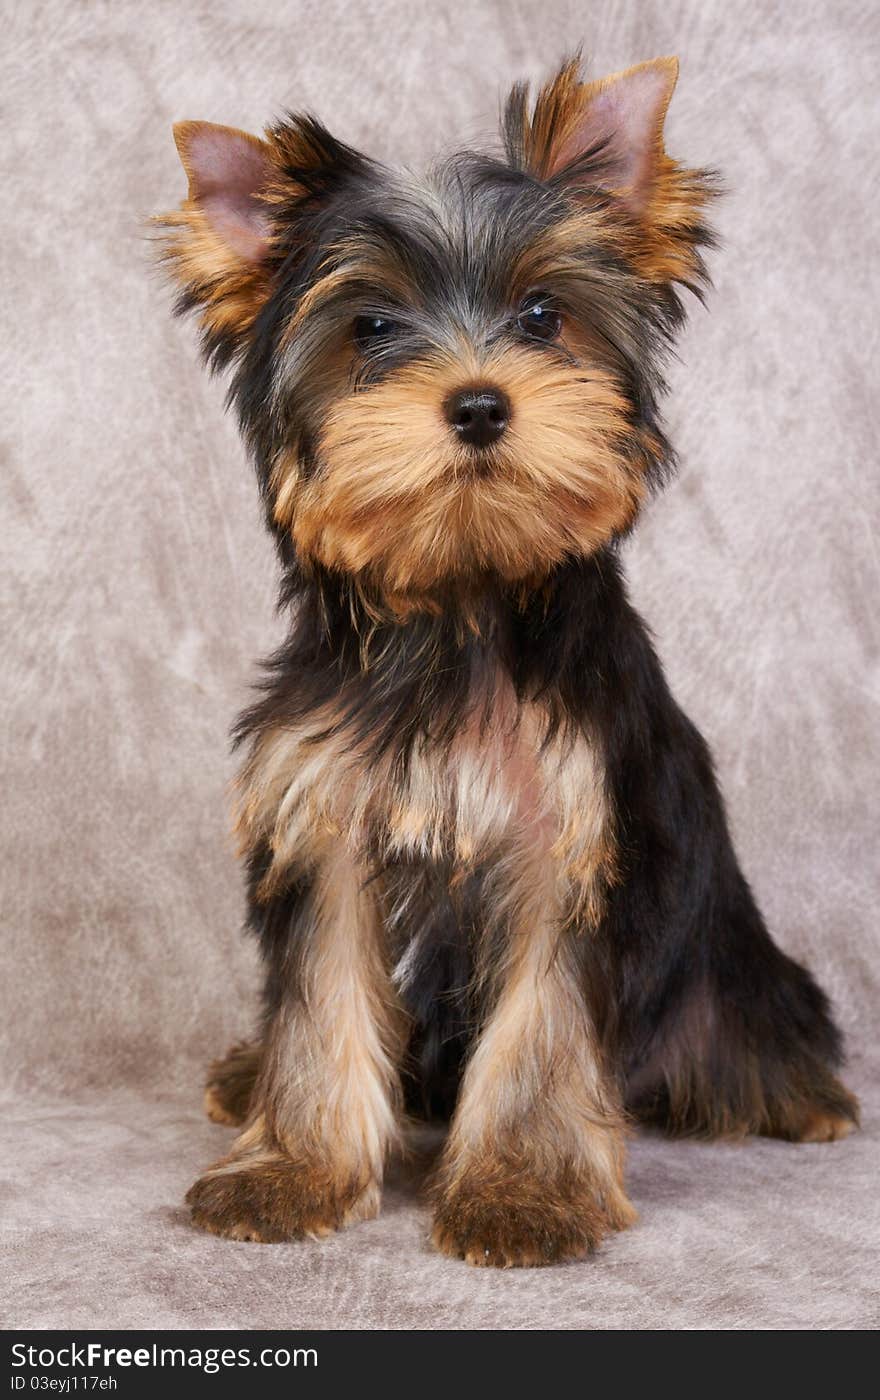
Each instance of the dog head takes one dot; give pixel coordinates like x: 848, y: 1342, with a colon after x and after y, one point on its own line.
x: 455, y: 378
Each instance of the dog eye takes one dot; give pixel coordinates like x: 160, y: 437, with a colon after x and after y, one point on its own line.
x: 373, y: 330
x: 538, y: 318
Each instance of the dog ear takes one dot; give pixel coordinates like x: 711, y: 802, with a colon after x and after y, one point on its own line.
x: 228, y: 173
x: 606, y: 138
x: 217, y: 244
x: 246, y: 209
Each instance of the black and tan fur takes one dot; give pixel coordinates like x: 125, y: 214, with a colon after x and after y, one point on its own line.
x: 488, y: 861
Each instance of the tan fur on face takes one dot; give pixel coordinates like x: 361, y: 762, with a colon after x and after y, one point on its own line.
x: 398, y: 499
x: 348, y: 262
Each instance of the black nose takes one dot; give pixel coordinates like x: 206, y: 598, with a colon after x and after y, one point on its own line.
x: 479, y: 416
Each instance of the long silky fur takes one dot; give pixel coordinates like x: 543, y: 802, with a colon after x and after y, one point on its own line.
x: 611, y: 943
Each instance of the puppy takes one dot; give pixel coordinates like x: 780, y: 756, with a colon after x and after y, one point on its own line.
x: 488, y: 863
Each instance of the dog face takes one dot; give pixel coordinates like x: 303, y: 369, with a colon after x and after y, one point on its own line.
x: 454, y: 379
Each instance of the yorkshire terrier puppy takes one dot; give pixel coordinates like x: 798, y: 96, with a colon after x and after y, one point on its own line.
x: 488, y: 861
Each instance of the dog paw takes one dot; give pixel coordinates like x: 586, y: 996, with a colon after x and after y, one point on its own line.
x: 230, y: 1085
x: 274, y: 1198
x: 825, y: 1127
x: 833, y: 1115
x: 217, y: 1109
x: 524, y: 1223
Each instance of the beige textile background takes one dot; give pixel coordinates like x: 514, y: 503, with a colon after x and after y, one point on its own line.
x: 137, y: 592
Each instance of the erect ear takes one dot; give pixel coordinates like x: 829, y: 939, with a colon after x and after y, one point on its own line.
x: 609, y: 132
x: 607, y: 137
x: 217, y: 244
x: 228, y: 172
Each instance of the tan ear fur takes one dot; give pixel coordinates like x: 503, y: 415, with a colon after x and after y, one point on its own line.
x: 607, y: 136
x: 215, y: 246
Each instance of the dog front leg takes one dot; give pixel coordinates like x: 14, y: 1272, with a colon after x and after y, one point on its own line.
x: 324, y: 1109
x: 532, y: 1171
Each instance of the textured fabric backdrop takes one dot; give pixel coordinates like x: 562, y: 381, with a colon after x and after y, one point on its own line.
x: 138, y: 592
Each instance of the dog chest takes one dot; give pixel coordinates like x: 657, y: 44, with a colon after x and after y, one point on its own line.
x: 497, y: 787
